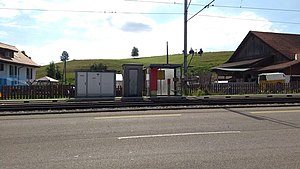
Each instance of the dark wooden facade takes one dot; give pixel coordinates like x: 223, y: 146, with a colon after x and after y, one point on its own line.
x: 253, y: 47
x: 262, y: 52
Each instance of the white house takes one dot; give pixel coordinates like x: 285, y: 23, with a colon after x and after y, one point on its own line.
x: 16, y: 68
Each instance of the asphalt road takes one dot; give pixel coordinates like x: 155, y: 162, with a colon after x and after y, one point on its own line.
x: 204, y: 138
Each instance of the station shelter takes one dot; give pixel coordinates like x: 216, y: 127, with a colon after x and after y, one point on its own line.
x: 164, y: 80
x: 133, y: 81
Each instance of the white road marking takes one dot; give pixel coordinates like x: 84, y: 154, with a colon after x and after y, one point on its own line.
x: 137, y: 116
x: 275, y: 111
x: 180, y: 134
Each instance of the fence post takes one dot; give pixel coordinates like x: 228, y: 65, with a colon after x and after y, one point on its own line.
x: 1, y: 92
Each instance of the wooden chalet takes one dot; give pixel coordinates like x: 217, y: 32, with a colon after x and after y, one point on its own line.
x: 262, y: 52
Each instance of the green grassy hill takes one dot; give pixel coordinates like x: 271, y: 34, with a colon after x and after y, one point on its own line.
x: 198, y: 64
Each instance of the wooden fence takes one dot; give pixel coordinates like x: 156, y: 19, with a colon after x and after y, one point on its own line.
x: 68, y: 91
x: 37, y: 92
x: 245, y: 88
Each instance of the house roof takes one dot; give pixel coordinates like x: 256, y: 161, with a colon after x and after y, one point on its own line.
x: 19, y: 57
x: 9, y: 47
x: 286, y: 44
x: 280, y: 66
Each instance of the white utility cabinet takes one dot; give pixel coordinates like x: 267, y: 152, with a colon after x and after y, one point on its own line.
x: 95, y: 84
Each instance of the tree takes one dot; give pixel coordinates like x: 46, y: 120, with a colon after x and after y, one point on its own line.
x: 53, y: 71
x: 98, y: 66
x: 135, y: 52
x: 58, y: 74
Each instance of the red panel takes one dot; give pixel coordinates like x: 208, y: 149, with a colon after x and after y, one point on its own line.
x: 153, y: 79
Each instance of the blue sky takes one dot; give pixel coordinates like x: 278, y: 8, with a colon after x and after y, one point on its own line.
x: 109, y: 29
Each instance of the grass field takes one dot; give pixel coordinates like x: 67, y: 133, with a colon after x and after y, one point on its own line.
x: 198, y: 64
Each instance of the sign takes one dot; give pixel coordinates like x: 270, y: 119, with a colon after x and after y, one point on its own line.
x: 161, y: 75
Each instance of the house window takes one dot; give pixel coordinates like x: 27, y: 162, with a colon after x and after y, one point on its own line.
x: 6, y: 53
x: 29, y: 73
x: 11, y: 70
x: 2, y: 52
x: 16, y: 71
x: 1, y: 67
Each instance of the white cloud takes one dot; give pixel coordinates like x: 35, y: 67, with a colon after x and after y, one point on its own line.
x: 223, y: 31
x: 3, y: 34
x: 6, y: 13
x: 99, y: 36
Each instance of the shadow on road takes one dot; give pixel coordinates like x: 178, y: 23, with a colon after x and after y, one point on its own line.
x: 259, y: 117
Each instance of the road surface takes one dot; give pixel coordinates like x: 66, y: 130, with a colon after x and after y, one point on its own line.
x: 204, y: 138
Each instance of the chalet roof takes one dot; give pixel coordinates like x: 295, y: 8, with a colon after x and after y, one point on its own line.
x: 232, y: 69
x: 9, y: 47
x: 19, y: 57
x: 279, y: 66
x: 239, y: 63
x: 286, y: 44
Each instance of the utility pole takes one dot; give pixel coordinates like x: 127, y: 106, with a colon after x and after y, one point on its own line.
x: 186, y: 6
x: 185, y: 48
x: 167, y: 52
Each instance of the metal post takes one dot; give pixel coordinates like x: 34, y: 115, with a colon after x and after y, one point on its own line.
x: 167, y: 52
x: 185, y: 47
x: 65, y: 72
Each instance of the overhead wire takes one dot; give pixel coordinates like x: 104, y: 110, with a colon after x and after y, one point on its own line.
x: 206, y: 6
x: 224, y: 6
x: 189, y: 4
x: 88, y: 11
x: 153, y: 13
x: 220, y: 6
x: 255, y: 20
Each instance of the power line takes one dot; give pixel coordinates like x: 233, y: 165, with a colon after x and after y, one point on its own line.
x: 55, y: 10
x: 221, y: 6
x: 257, y: 8
x: 139, y: 13
x: 189, y: 4
x: 206, y: 6
x: 89, y: 11
x: 255, y: 20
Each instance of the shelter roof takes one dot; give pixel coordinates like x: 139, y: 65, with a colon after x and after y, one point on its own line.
x: 170, y: 66
x: 46, y: 79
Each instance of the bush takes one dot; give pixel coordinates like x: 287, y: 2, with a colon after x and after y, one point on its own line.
x: 200, y: 92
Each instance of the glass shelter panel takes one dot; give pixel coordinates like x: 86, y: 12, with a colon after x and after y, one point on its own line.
x: 164, y: 81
